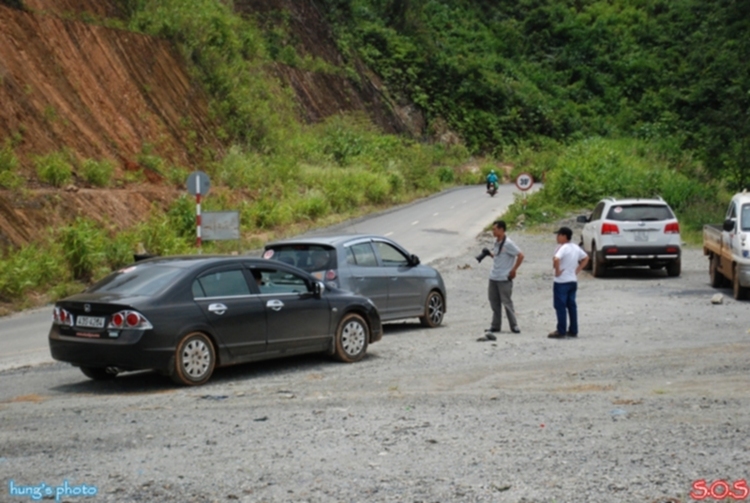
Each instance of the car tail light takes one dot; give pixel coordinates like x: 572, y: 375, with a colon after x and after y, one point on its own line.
x: 62, y: 317
x: 672, y: 228
x: 129, y: 319
x: 330, y: 275
x: 608, y: 228
x: 612, y: 250
x: 672, y: 249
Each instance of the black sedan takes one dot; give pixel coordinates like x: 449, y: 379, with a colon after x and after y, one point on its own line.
x: 184, y: 316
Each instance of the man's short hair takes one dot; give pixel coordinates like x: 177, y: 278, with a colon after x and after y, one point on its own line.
x: 500, y: 224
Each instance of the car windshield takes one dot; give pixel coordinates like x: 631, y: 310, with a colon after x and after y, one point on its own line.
x: 141, y: 279
x: 639, y: 212
x: 305, y: 256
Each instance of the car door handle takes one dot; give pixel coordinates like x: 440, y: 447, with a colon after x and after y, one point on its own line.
x: 218, y: 308
x: 276, y: 305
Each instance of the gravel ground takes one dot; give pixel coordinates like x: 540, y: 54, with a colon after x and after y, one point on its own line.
x: 650, y: 398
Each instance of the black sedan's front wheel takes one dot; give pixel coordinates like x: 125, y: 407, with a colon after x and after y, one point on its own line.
x: 352, y: 336
x: 195, y: 360
x: 434, y: 309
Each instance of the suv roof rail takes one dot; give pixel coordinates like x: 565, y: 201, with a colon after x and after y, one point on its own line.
x: 657, y: 196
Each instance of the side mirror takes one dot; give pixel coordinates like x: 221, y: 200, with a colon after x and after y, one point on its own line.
x: 728, y: 225
x: 414, y: 260
x: 583, y: 219
x: 318, y: 289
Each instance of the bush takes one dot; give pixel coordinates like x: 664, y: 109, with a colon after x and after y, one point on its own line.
x: 54, y: 169
x: 83, y: 245
x: 32, y: 267
x: 97, y: 173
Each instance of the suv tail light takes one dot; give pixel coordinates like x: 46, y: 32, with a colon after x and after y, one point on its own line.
x: 672, y: 228
x: 330, y: 275
x: 608, y: 228
x: 129, y: 319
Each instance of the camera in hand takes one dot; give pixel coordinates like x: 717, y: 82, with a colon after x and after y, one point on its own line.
x: 485, y: 253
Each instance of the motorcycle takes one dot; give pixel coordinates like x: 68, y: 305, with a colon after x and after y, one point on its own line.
x: 492, y: 190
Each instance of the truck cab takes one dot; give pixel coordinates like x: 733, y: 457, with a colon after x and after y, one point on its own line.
x: 728, y: 247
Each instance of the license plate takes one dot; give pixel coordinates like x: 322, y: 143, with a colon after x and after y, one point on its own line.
x: 641, y: 236
x: 90, y: 321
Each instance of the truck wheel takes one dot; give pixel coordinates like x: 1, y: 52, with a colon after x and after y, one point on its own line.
x: 674, y: 268
x: 598, y: 269
x: 717, y: 279
x: 739, y: 291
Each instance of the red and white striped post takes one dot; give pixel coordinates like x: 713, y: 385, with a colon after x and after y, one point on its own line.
x: 198, y: 213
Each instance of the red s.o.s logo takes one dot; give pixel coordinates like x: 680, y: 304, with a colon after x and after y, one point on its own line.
x: 719, y: 490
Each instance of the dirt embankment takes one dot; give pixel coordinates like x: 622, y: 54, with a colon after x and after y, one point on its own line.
x: 105, y: 93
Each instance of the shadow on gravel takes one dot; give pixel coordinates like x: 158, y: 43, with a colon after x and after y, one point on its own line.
x: 147, y: 382
x: 633, y: 273
x: 403, y: 328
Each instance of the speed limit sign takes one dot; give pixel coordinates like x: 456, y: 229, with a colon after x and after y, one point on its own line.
x: 524, y: 181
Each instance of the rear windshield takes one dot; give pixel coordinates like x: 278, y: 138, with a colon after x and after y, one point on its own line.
x: 142, y: 280
x: 640, y: 212
x: 305, y: 256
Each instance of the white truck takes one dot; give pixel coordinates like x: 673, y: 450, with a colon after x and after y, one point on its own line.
x: 728, y: 247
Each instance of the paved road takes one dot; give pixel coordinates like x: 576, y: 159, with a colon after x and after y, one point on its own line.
x: 439, y: 226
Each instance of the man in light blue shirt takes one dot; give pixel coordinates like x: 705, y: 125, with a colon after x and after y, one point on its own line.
x: 506, y: 259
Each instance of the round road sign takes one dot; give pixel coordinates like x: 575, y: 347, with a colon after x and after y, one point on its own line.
x: 524, y: 181
x: 196, y: 180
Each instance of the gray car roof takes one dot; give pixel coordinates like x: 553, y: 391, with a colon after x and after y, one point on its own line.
x: 331, y: 240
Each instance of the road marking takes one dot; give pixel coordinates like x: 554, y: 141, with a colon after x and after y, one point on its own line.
x: 387, y: 234
x: 435, y: 214
x: 415, y: 222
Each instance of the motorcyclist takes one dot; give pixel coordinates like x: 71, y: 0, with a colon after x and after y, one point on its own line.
x: 491, y: 179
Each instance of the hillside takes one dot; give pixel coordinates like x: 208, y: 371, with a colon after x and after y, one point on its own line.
x: 70, y: 83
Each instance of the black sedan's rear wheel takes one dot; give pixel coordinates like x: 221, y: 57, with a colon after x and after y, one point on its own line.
x: 434, y: 309
x: 99, y: 373
x: 195, y: 360
x: 352, y: 336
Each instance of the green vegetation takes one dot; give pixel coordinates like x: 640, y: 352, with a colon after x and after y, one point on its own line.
x: 9, y: 177
x: 54, y: 169
x: 97, y: 173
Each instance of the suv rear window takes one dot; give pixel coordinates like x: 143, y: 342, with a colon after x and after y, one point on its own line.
x: 307, y: 257
x: 639, y: 212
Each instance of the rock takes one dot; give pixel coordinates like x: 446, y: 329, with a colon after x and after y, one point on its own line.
x: 717, y: 299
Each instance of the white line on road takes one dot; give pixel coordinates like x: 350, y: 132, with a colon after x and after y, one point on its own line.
x: 387, y: 234
x: 415, y: 222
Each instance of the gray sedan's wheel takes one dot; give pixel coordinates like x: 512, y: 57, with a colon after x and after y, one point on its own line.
x: 739, y: 292
x: 434, y: 310
x: 674, y: 268
x: 597, y: 267
x: 352, y: 336
x: 717, y: 279
x: 195, y: 360
x: 99, y: 373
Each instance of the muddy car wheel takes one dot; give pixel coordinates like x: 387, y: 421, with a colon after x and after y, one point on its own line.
x: 434, y: 310
x: 195, y: 360
x: 738, y: 291
x: 99, y: 373
x: 717, y: 279
x: 352, y: 336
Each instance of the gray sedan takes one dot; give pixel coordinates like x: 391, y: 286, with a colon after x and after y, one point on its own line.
x: 371, y: 266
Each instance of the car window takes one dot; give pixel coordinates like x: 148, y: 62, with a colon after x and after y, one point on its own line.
x: 145, y: 280
x: 639, y: 212
x: 746, y: 217
x: 731, y: 211
x: 361, y: 254
x: 305, y: 256
x: 597, y: 214
x: 390, y: 256
x: 221, y: 284
x: 278, y: 281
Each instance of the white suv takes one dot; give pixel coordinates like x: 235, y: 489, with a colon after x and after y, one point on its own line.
x: 628, y: 232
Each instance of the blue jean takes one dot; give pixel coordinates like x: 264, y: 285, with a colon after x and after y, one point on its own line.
x: 565, y: 305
